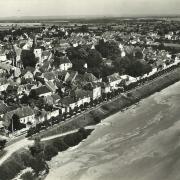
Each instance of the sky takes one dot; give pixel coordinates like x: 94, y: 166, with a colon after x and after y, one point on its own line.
x: 20, y: 8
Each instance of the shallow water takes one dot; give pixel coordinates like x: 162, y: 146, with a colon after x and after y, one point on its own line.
x: 141, y: 143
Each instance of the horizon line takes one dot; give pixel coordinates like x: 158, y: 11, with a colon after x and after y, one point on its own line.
x: 33, y: 17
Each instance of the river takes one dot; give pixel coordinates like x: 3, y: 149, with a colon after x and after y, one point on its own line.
x: 140, y: 143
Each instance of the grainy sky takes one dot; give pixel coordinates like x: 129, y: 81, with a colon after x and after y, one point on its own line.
x: 87, y: 7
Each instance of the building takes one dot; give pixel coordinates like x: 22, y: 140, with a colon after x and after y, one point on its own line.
x: 25, y: 115
x: 113, y: 80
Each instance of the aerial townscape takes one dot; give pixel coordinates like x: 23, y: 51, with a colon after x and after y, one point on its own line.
x: 50, y: 73
x: 62, y: 77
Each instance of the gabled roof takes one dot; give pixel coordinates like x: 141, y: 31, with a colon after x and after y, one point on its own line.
x: 113, y: 77
x: 20, y: 112
x: 80, y: 93
x: 89, y: 77
x: 51, y: 86
x: 70, y: 76
x: 62, y: 60
x: 49, y: 75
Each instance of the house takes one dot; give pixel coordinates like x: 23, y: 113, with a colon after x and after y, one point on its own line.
x: 38, y: 54
x: 25, y: 114
x: 41, y: 91
x: 3, y: 109
x: 46, y: 55
x: 24, y: 88
x: 6, y: 67
x: 27, y: 74
x: 46, y: 66
x: 107, y: 62
x: 53, y: 113
x: 126, y: 79
x: 94, y: 90
x: 68, y: 102
x: 18, y: 52
x: 3, y: 84
x: 70, y: 76
x: 48, y: 76
x: 52, y: 100
x: 51, y: 86
x: 63, y: 63
x: 113, y: 80
x: 3, y: 57
x: 89, y: 77
x: 105, y: 88
x: 81, y: 97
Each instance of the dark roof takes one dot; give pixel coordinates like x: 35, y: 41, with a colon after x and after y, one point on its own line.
x: 89, y: 77
x: 49, y: 75
x: 63, y: 60
x: 21, y: 112
x: 67, y: 100
x: 80, y: 93
x: 41, y: 90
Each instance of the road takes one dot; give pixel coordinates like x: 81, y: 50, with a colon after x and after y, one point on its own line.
x: 15, y: 147
x: 26, y: 142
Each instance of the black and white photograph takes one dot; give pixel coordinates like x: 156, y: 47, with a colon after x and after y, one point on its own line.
x: 90, y: 90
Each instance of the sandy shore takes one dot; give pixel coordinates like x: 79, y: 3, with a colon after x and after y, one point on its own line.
x: 142, y: 143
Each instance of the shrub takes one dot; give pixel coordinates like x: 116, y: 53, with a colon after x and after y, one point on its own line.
x: 9, y: 169
x: 60, y: 145
x: 49, y: 152
x: 28, y: 176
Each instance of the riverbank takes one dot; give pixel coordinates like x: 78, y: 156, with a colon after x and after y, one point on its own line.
x: 140, y: 143
x: 36, y: 156
x: 104, y: 110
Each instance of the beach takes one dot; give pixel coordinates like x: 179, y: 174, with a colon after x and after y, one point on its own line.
x: 142, y: 142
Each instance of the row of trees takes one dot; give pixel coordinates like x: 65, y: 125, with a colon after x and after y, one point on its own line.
x: 56, y: 120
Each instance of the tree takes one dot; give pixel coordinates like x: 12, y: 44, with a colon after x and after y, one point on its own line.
x: 77, y: 56
x: 2, y: 143
x: 24, y: 99
x: 60, y: 144
x: 37, y: 149
x: 28, y: 58
x: 94, y: 58
x: 15, y: 123
x: 108, y: 49
x: 138, y: 68
x: 49, y: 152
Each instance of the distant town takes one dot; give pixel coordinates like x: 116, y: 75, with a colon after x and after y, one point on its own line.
x: 50, y: 73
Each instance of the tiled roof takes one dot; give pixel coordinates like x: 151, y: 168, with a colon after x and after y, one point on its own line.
x: 20, y: 112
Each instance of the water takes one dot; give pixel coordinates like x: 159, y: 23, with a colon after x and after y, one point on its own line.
x: 141, y: 143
